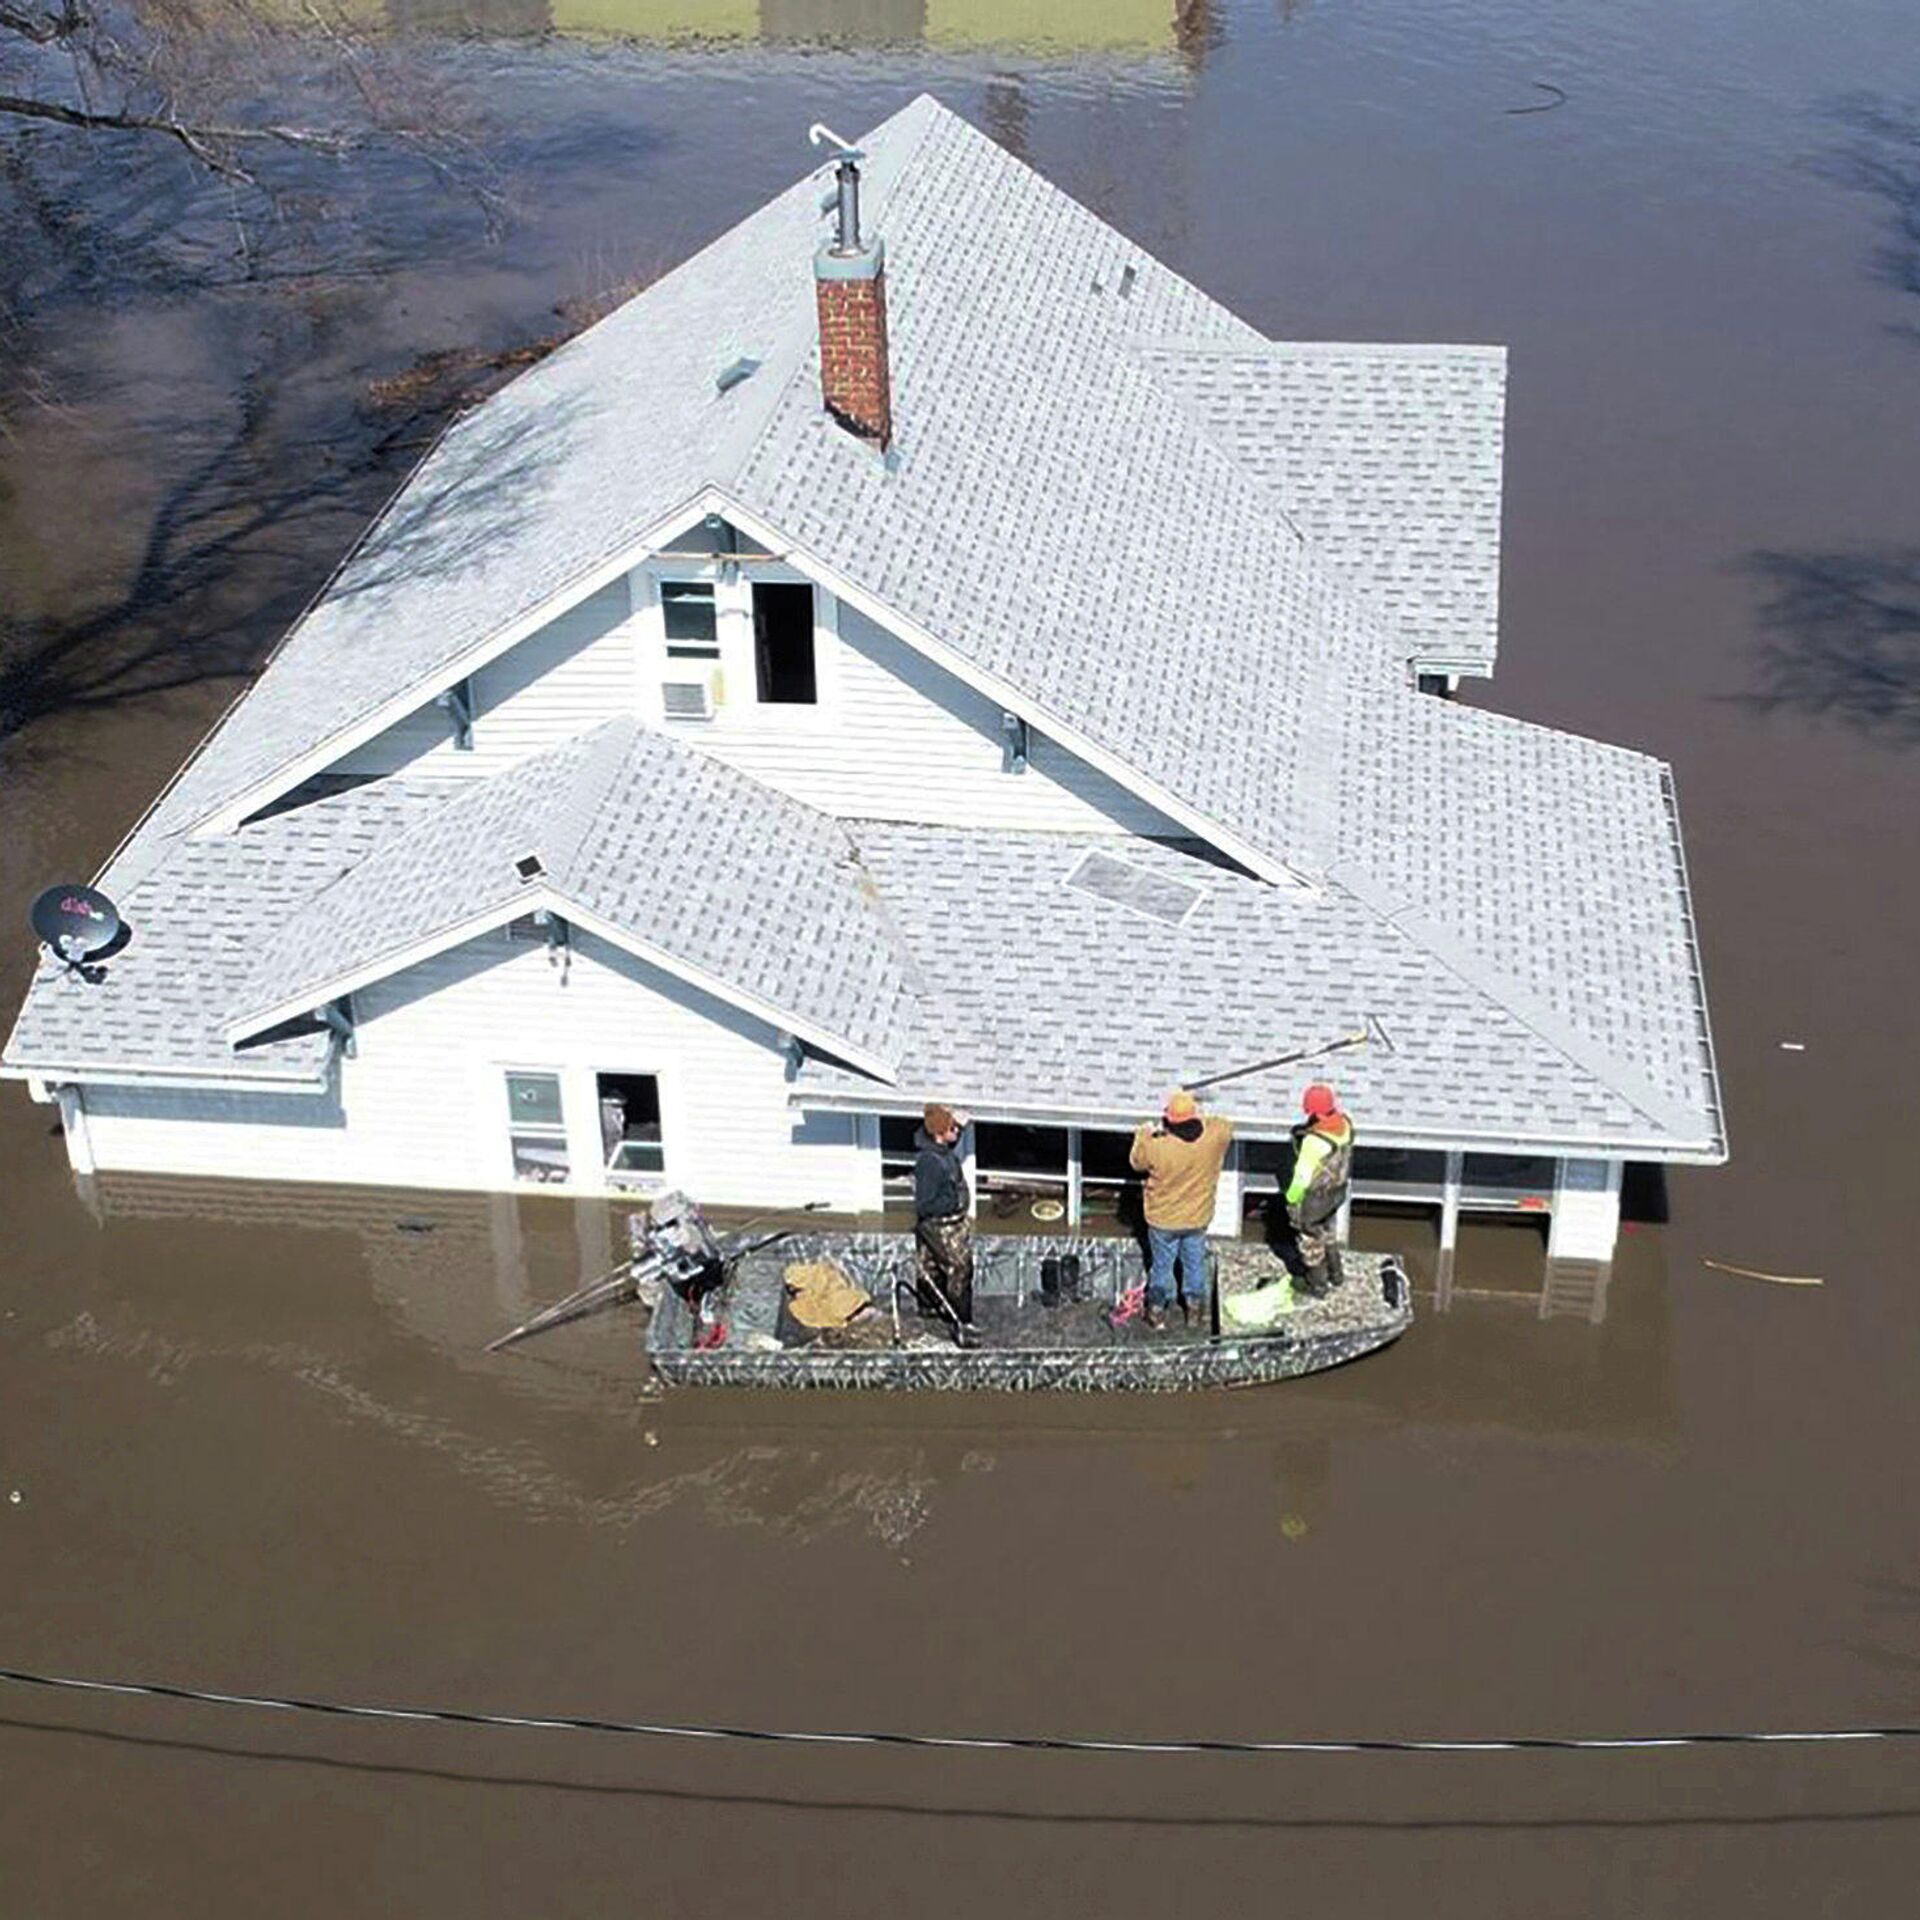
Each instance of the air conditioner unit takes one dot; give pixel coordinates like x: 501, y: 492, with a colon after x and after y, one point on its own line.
x: 686, y: 700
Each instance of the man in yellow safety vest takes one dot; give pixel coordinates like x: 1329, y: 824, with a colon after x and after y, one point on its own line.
x: 1322, y: 1168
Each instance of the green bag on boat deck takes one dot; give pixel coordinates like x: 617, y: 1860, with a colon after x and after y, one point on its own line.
x: 1265, y: 1306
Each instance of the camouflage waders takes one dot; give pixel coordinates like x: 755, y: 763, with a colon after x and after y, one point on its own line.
x: 943, y: 1257
x: 1313, y: 1219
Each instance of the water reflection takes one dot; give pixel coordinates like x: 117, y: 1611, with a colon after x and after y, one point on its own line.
x: 1880, y: 156
x: 1840, y: 637
x: 1583, y: 1353
x: 1189, y: 28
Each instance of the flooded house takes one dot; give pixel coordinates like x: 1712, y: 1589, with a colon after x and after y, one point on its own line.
x: 920, y: 648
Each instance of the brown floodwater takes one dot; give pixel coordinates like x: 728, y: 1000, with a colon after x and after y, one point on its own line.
x: 249, y: 1438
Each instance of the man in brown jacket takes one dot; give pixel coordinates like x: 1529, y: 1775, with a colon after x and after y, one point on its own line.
x: 1181, y: 1157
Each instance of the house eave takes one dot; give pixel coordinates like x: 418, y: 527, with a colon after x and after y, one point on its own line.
x: 896, y: 1104
x: 552, y: 900
x: 112, y: 1073
x: 1258, y: 861
x: 227, y: 817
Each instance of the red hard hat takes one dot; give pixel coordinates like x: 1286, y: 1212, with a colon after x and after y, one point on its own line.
x: 1319, y: 1101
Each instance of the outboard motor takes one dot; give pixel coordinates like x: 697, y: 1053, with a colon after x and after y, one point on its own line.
x: 676, y: 1236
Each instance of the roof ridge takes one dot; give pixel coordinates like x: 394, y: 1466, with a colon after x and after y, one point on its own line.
x: 573, y: 811
x: 1411, y: 917
x: 1309, y: 349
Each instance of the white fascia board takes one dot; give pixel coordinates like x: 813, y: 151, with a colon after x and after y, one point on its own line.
x: 778, y: 1018
x: 107, y: 1073
x: 1003, y: 694
x: 847, y: 1100
x: 531, y: 900
x: 227, y: 818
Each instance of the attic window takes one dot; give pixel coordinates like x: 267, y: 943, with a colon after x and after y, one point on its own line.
x: 1125, y: 885
x: 528, y: 866
x: 735, y: 371
x: 1128, y: 276
x: 691, y: 619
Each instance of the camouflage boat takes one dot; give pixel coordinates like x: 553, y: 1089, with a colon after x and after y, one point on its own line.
x: 1050, y: 1314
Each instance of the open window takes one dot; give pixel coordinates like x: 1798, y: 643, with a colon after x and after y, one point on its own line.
x: 1019, y: 1165
x: 630, y: 1136
x: 537, y: 1130
x: 897, y: 1157
x: 783, y: 643
x: 1110, y: 1190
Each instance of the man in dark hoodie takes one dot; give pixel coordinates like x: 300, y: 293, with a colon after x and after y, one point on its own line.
x: 942, y: 1215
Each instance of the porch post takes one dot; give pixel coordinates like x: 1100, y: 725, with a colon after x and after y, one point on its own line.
x: 1073, y: 1176
x: 73, y: 1124
x: 1450, y: 1203
x: 1225, y: 1224
x: 870, y: 1194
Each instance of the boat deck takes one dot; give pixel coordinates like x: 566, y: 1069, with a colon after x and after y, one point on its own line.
x: 1023, y: 1341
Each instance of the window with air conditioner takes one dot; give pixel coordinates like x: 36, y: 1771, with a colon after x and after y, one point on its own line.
x: 691, y: 618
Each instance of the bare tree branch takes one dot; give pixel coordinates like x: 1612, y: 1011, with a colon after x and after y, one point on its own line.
x: 44, y: 28
x: 197, y: 138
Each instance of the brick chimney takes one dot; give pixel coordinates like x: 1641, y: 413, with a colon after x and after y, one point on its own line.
x: 850, y: 285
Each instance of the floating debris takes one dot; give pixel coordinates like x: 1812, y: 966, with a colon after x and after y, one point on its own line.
x: 1544, y: 106
x: 1754, y: 1273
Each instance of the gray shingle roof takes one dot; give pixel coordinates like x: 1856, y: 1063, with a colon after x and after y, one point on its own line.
x: 1051, y: 511
x: 1545, y: 867
x: 1071, y: 461
x: 1055, y: 1002
x: 197, y: 917
x: 1387, y: 458
x: 668, y: 846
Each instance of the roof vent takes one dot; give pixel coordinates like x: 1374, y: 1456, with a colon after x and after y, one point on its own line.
x: 1124, y: 885
x: 528, y: 866
x: 731, y: 375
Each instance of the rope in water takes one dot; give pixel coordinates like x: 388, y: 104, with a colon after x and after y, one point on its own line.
x: 971, y: 1743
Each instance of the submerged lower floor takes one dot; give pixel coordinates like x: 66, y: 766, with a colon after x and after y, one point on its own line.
x: 583, y: 1131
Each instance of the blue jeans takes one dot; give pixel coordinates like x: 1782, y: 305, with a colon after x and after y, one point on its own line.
x: 1189, y: 1246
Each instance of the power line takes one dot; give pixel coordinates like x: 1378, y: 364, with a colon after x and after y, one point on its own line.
x: 971, y: 1743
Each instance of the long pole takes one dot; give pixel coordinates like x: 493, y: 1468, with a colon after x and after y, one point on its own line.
x: 1359, y: 1038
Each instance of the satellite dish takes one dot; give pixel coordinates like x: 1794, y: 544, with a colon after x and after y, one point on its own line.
x: 76, y: 922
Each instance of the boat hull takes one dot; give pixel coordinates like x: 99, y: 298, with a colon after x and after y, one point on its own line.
x: 1025, y: 1347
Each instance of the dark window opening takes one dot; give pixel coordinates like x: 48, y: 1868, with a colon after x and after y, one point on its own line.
x: 630, y: 1127
x: 783, y: 643
x: 1019, y: 1164
x: 1109, y: 1187
x: 897, y: 1156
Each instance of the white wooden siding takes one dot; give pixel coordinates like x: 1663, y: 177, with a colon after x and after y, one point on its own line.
x: 423, y: 1102
x: 893, y: 737
x: 574, y: 673
x: 897, y: 738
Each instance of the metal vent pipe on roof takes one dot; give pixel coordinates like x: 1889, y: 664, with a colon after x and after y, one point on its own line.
x: 846, y: 180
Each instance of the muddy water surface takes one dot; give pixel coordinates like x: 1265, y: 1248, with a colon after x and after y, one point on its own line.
x: 252, y: 1433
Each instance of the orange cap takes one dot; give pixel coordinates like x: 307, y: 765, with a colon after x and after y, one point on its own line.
x: 1181, y: 1105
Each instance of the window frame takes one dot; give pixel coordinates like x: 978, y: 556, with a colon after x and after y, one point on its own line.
x: 550, y: 1133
